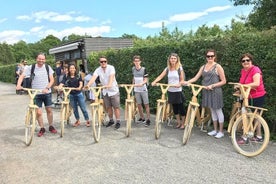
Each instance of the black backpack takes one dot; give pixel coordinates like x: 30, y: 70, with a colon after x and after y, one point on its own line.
x: 29, y: 82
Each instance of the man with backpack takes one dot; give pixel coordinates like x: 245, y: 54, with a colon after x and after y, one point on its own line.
x: 41, y: 77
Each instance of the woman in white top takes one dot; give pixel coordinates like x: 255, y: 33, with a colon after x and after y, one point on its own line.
x: 175, y: 74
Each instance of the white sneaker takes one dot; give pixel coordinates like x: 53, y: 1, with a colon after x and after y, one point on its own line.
x: 213, y: 133
x: 219, y: 135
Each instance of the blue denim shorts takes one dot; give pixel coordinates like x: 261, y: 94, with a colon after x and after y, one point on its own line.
x: 43, y: 98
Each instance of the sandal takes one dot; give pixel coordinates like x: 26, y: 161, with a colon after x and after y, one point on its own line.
x: 178, y: 126
x: 77, y: 123
x: 87, y: 124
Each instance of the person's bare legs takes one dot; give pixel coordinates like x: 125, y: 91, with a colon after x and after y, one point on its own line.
x: 49, y: 115
x: 39, y: 117
x: 140, y: 109
x: 183, y: 122
x: 147, y: 110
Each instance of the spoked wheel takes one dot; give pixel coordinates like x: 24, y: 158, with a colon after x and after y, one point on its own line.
x: 30, y: 123
x: 158, y: 121
x: 129, y: 119
x: 249, y: 146
x: 96, y: 124
x: 190, y: 124
x: 63, y: 119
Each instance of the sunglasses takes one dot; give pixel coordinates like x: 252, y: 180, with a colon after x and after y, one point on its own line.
x: 245, y: 60
x: 104, y: 61
x: 210, y: 56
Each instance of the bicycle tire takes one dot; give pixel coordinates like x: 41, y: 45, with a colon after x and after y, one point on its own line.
x: 158, y: 120
x: 129, y: 118
x: 188, y: 128
x: 252, y: 148
x: 30, y: 124
x: 63, y: 118
x: 96, y: 124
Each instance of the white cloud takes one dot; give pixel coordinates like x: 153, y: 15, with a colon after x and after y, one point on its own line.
x: 3, y: 20
x: 184, y: 17
x: 155, y: 24
x: 187, y: 16
x: 11, y: 36
x: 54, y: 17
x: 36, y: 29
x: 218, y: 8
x: 91, y: 31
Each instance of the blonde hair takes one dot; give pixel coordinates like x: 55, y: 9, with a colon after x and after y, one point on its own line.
x: 178, y: 63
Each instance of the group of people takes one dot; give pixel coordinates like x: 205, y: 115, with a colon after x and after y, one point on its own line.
x: 212, y: 74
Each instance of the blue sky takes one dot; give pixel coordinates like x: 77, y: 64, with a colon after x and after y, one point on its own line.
x: 33, y: 20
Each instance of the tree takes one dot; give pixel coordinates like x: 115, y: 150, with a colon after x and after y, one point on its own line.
x: 263, y: 15
x: 6, y: 55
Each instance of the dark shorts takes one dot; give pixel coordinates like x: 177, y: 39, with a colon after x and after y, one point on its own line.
x: 257, y: 102
x: 176, y: 97
x: 43, y: 98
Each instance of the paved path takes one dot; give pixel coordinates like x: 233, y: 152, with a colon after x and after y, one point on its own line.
x: 76, y: 158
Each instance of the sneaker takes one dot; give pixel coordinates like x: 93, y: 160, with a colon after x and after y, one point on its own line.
x: 77, y: 123
x: 41, y: 132
x: 257, y: 139
x: 110, y: 123
x: 117, y: 125
x: 241, y: 141
x: 140, y: 120
x: 219, y: 135
x: 213, y: 133
x: 52, y: 130
x: 147, y: 123
x: 87, y: 124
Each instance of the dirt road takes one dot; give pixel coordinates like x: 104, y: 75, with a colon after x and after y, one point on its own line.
x: 140, y: 158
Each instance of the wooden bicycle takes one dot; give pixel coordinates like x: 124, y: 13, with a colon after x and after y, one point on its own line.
x: 66, y: 109
x: 30, y: 118
x: 162, y: 108
x: 131, y: 110
x: 248, y: 122
x: 193, y: 110
x: 97, y: 112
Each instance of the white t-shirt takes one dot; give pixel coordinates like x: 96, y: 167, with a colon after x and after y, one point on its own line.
x: 104, y: 78
x: 174, y: 78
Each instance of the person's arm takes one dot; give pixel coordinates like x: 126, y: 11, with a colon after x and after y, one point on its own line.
x: 256, y: 80
x: 160, y: 77
x: 110, y: 80
x: 91, y: 81
x: 19, y: 82
x: 221, y: 76
x: 195, y: 78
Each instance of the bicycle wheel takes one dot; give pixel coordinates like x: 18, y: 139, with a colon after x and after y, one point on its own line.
x: 96, y: 123
x: 129, y: 118
x: 251, y: 148
x: 30, y: 126
x: 158, y: 120
x: 62, y: 119
x: 190, y: 124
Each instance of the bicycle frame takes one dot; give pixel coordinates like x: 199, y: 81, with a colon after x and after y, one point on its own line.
x: 97, y: 112
x: 30, y: 118
x: 130, y: 107
x: 247, y: 124
x: 161, y: 108
x: 66, y: 109
x: 191, y: 112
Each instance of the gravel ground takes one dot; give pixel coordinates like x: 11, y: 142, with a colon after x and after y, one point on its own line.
x: 140, y: 158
